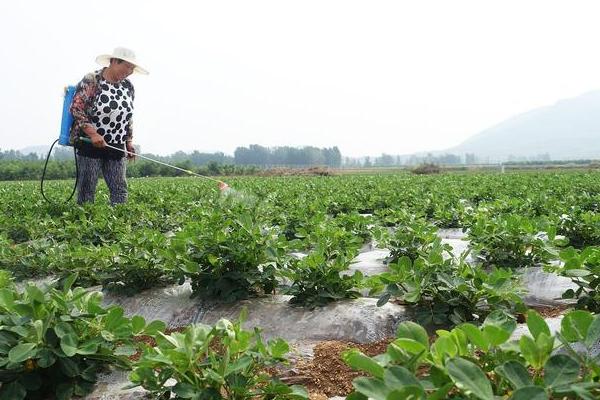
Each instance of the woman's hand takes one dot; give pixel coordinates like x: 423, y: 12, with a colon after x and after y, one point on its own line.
x: 98, y: 141
x: 95, y: 137
x: 130, y: 151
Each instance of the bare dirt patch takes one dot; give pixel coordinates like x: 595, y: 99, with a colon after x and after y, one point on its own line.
x: 313, y: 171
x: 546, y: 312
x: 326, y: 375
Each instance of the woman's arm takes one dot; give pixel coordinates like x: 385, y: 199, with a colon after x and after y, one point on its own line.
x: 82, y: 102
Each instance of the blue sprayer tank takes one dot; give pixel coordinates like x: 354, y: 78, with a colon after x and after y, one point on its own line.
x: 67, y: 117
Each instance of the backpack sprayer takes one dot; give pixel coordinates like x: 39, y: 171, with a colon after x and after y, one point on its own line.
x: 64, y: 140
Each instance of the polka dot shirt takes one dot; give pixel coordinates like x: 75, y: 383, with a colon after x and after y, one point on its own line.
x: 113, y: 109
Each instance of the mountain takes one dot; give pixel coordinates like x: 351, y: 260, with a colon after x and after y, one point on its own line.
x: 569, y: 129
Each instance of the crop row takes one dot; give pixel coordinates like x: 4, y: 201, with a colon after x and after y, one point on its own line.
x: 241, y: 244
x: 247, y: 243
x: 55, y: 340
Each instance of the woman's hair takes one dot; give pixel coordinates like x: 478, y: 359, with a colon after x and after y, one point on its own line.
x: 117, y: 60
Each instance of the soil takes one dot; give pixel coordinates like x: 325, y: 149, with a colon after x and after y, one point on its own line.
x: 546, y: 312
x: 326, y: 375
x: 150, y: 341
x: 313, y: 171
x: 551, y: 312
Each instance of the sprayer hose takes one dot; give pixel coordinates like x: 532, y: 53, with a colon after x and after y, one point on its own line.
x: 187, y: 171
x: 44, y: 174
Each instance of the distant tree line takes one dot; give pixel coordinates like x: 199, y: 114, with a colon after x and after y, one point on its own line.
x: 287, y: 156
x: 552, y: 162
x: 388, y: 160
x: 253, y: 155
x: 11, y: 170
x: 66, y: 153
x: 15, y: 165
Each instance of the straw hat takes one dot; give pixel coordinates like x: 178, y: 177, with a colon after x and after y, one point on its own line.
x: 123, y: 54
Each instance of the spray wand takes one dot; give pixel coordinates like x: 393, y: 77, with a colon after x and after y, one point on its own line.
x: 222, y: 185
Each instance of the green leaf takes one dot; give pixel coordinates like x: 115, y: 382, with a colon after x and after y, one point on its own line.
x: 442, y: 392
x: 411, y: 392
x: 495, y: 335
x: 500, y: 319
x: 530, y: 352
x: 212, y: 259
x: 185, y: 390
x: 475, y: 336
x: 114, y: 318
x: 546, y: 344
x: 239, y: 365
x: 357, y: 360
x: 356, y: 396
x: 137, y: 324
x: 444, y: 347
x: 576, y: 273
x: 22, y: 352
x: 68, y: 282
x: 214, y: 376
x: 298, y: 392
x: 108, y: 336
x: 530, y: 393
x: 278, y: 348
x: 514, y: 372
x: 410, y: 345
x: 7, y: 299
x: 411, y: 330
x: 536, y: 324
x: 12, y: 391
x: 26, y: 310
x: 89, y: 374
x: 575, y: 325
x: 63, y: 328
x: 569, y: 294
x: 68, y: 344
x: 383, y: 299
x: 46, y: 358
x: 593, y: 334
x: 19, y: 330
x: 469, y: 378
x: 154, y: 327
x: 373, y: 388
x: 89, y: 347
x: 34, y: 293
x: 68, y: 367
x: 560, y: 369
x: 397, y: 376
x: 38, y: 325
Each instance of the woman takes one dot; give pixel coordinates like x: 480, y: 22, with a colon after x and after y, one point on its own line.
x: 102, y: 110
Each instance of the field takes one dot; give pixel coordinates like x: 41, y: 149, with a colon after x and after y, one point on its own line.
x: 299, y: 236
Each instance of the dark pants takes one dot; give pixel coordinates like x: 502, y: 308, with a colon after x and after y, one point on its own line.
x: 114, y: 176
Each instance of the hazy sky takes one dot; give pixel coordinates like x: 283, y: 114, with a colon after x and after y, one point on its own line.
x: 368, y: 76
